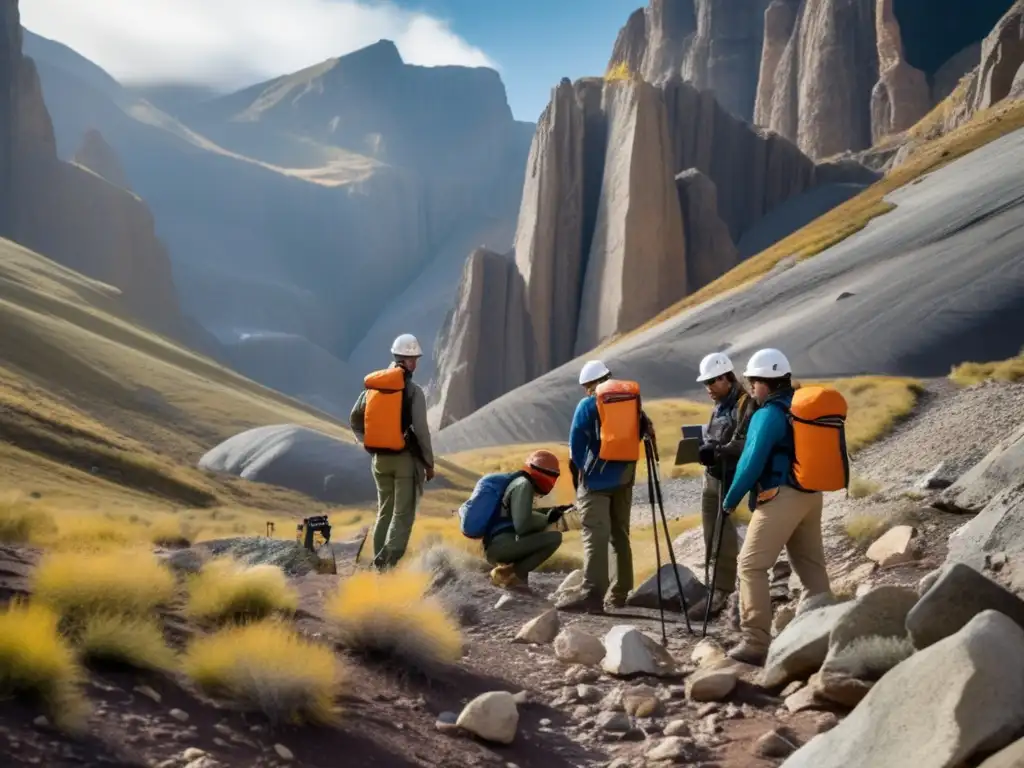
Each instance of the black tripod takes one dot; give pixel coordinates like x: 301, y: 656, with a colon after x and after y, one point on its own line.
x: 711, y: 561
x: 654, y: 495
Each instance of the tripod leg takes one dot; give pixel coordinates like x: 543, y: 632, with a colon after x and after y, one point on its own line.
x: 671, y: 550
x: 716, y: 543
x: 649, y: 453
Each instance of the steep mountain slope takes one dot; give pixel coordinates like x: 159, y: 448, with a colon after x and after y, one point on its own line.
x: 298, y: 209
x: 635, y: 197
x: 68, y: 212
x: 938, y: 280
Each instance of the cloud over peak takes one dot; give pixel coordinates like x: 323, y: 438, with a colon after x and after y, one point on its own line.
x: 230, y: 43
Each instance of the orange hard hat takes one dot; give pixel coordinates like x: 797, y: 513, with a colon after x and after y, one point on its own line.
x: 544, y: 462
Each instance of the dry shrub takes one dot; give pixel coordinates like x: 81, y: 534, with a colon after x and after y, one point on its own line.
x: 226, y: 590
x: 267, y: 667
x: 391, y: 615
x: 1008, y: 370
x: 91, y: 533
x: 865, y: 527
x: 21, y: 521
x: 36, y: 663
x: 114, y: 582
x: 862, y: 487
x: 131, y: 641
x: 170, y: 532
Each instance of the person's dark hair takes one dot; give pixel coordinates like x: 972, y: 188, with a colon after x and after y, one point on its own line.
x: 783, y: 382
x: 730, y: 377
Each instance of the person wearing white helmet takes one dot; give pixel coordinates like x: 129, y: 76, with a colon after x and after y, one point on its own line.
x: 605, y: 487
x: 390, y: 419
x: 784, y: 516
x: 719, y: 454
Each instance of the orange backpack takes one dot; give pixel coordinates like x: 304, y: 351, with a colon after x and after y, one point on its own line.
x: 817, y: 418
x: 618, y: 410
x: 384, y: 418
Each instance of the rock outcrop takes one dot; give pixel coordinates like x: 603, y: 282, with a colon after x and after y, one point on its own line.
x: 100, y: 158
x: 1002, y: 54
x: 635, y: 196
x: 713, y: 44
x: 839, y: 75
x: 69, y: 213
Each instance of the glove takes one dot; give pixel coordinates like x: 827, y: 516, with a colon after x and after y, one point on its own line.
x: 727, y: 511
x: 555, y: 515
x: 706, y: 454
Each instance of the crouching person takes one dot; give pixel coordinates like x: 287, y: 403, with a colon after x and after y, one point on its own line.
x: 500, y: 512
x: 794, y: 450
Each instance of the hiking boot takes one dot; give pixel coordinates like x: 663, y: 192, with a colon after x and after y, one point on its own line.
x: 719, y: 599
x: 580, y: 601
x: 504, y: 576
x: 749, y: 653
x: 614, y: 603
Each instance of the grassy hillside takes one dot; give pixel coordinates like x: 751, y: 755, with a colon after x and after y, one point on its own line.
x: 966, y: 374
x: 852, y: 216
x: 101, y: 417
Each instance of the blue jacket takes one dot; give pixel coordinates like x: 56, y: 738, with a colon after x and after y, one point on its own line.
x: 584, y: 447
x: 765, y: 462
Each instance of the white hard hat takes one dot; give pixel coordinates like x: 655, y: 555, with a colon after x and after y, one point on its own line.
x: 592, y: 371
x: 767, y: 364
x: 714, y: 365
x: 406, y: 345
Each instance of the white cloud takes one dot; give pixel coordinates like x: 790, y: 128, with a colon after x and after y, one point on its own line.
x: 229, y: 43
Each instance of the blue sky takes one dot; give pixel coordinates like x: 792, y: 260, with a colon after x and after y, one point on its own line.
x: 536, y: 42
x: 231, y: 43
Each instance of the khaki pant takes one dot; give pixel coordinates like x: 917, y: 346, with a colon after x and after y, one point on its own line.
x: 605, y: 519
x: 726, y: 577
x: 398, y: 493
x: 526, y: 553
x: 791, y: 520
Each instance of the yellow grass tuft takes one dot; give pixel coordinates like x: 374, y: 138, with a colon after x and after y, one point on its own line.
x: 119, y: 582
x: 389, y: 614
x: 225, y: 590
x: 618, y: 72
x: 876, y: 404
x: 862, y: 487
x: 967, y: 374
x: 132, y: 641
x: 36, y: 663
x: 268, y: 667
x: 21, y: 521
x: 865, y: 527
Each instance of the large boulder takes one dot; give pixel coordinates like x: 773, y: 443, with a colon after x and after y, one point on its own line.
x: 995, y: 538
x: 801, y: 648
x: 299, y: 458
x: 962, y: 696
x: 1003, y: 466
x: 710, y: 251
x: 958, y: 595
x: 646, y: 595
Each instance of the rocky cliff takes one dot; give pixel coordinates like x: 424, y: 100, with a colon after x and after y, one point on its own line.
x: 713, y: 44
x: 841, y: 75
x: 67, y: 212
x: 100, y: 158
x: 635, y: 196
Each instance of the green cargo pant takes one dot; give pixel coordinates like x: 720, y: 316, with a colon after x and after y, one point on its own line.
x: 728, y: 554
x: 398, y: 494
x: 526, y: 553
x: 605, y: 518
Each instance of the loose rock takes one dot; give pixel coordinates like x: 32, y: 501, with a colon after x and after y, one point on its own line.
x: 179, y: 715
x: 801, y: 648
x: 283, y: 752
x: 706, y: 651
x: 672, y: 748
x: 778, y: 742
x: 574, y: 646
x: 613, y: 722
x: 677, y: 728
x: 710, y: 684
x: 894, y: 547
x: 646, y: 595
x: 641, y: 701
x: 541, y: 630
x: 629, y: 651
x: 492, y: 716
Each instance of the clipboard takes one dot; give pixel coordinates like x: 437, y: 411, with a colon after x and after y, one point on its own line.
x: 688, y: 451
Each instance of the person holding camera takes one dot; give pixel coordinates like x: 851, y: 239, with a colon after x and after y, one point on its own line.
x: 519, y: 542
x: 719, y: 454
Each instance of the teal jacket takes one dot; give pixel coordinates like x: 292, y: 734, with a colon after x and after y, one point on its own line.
x: 765, y: 462
x: 584, y: 447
